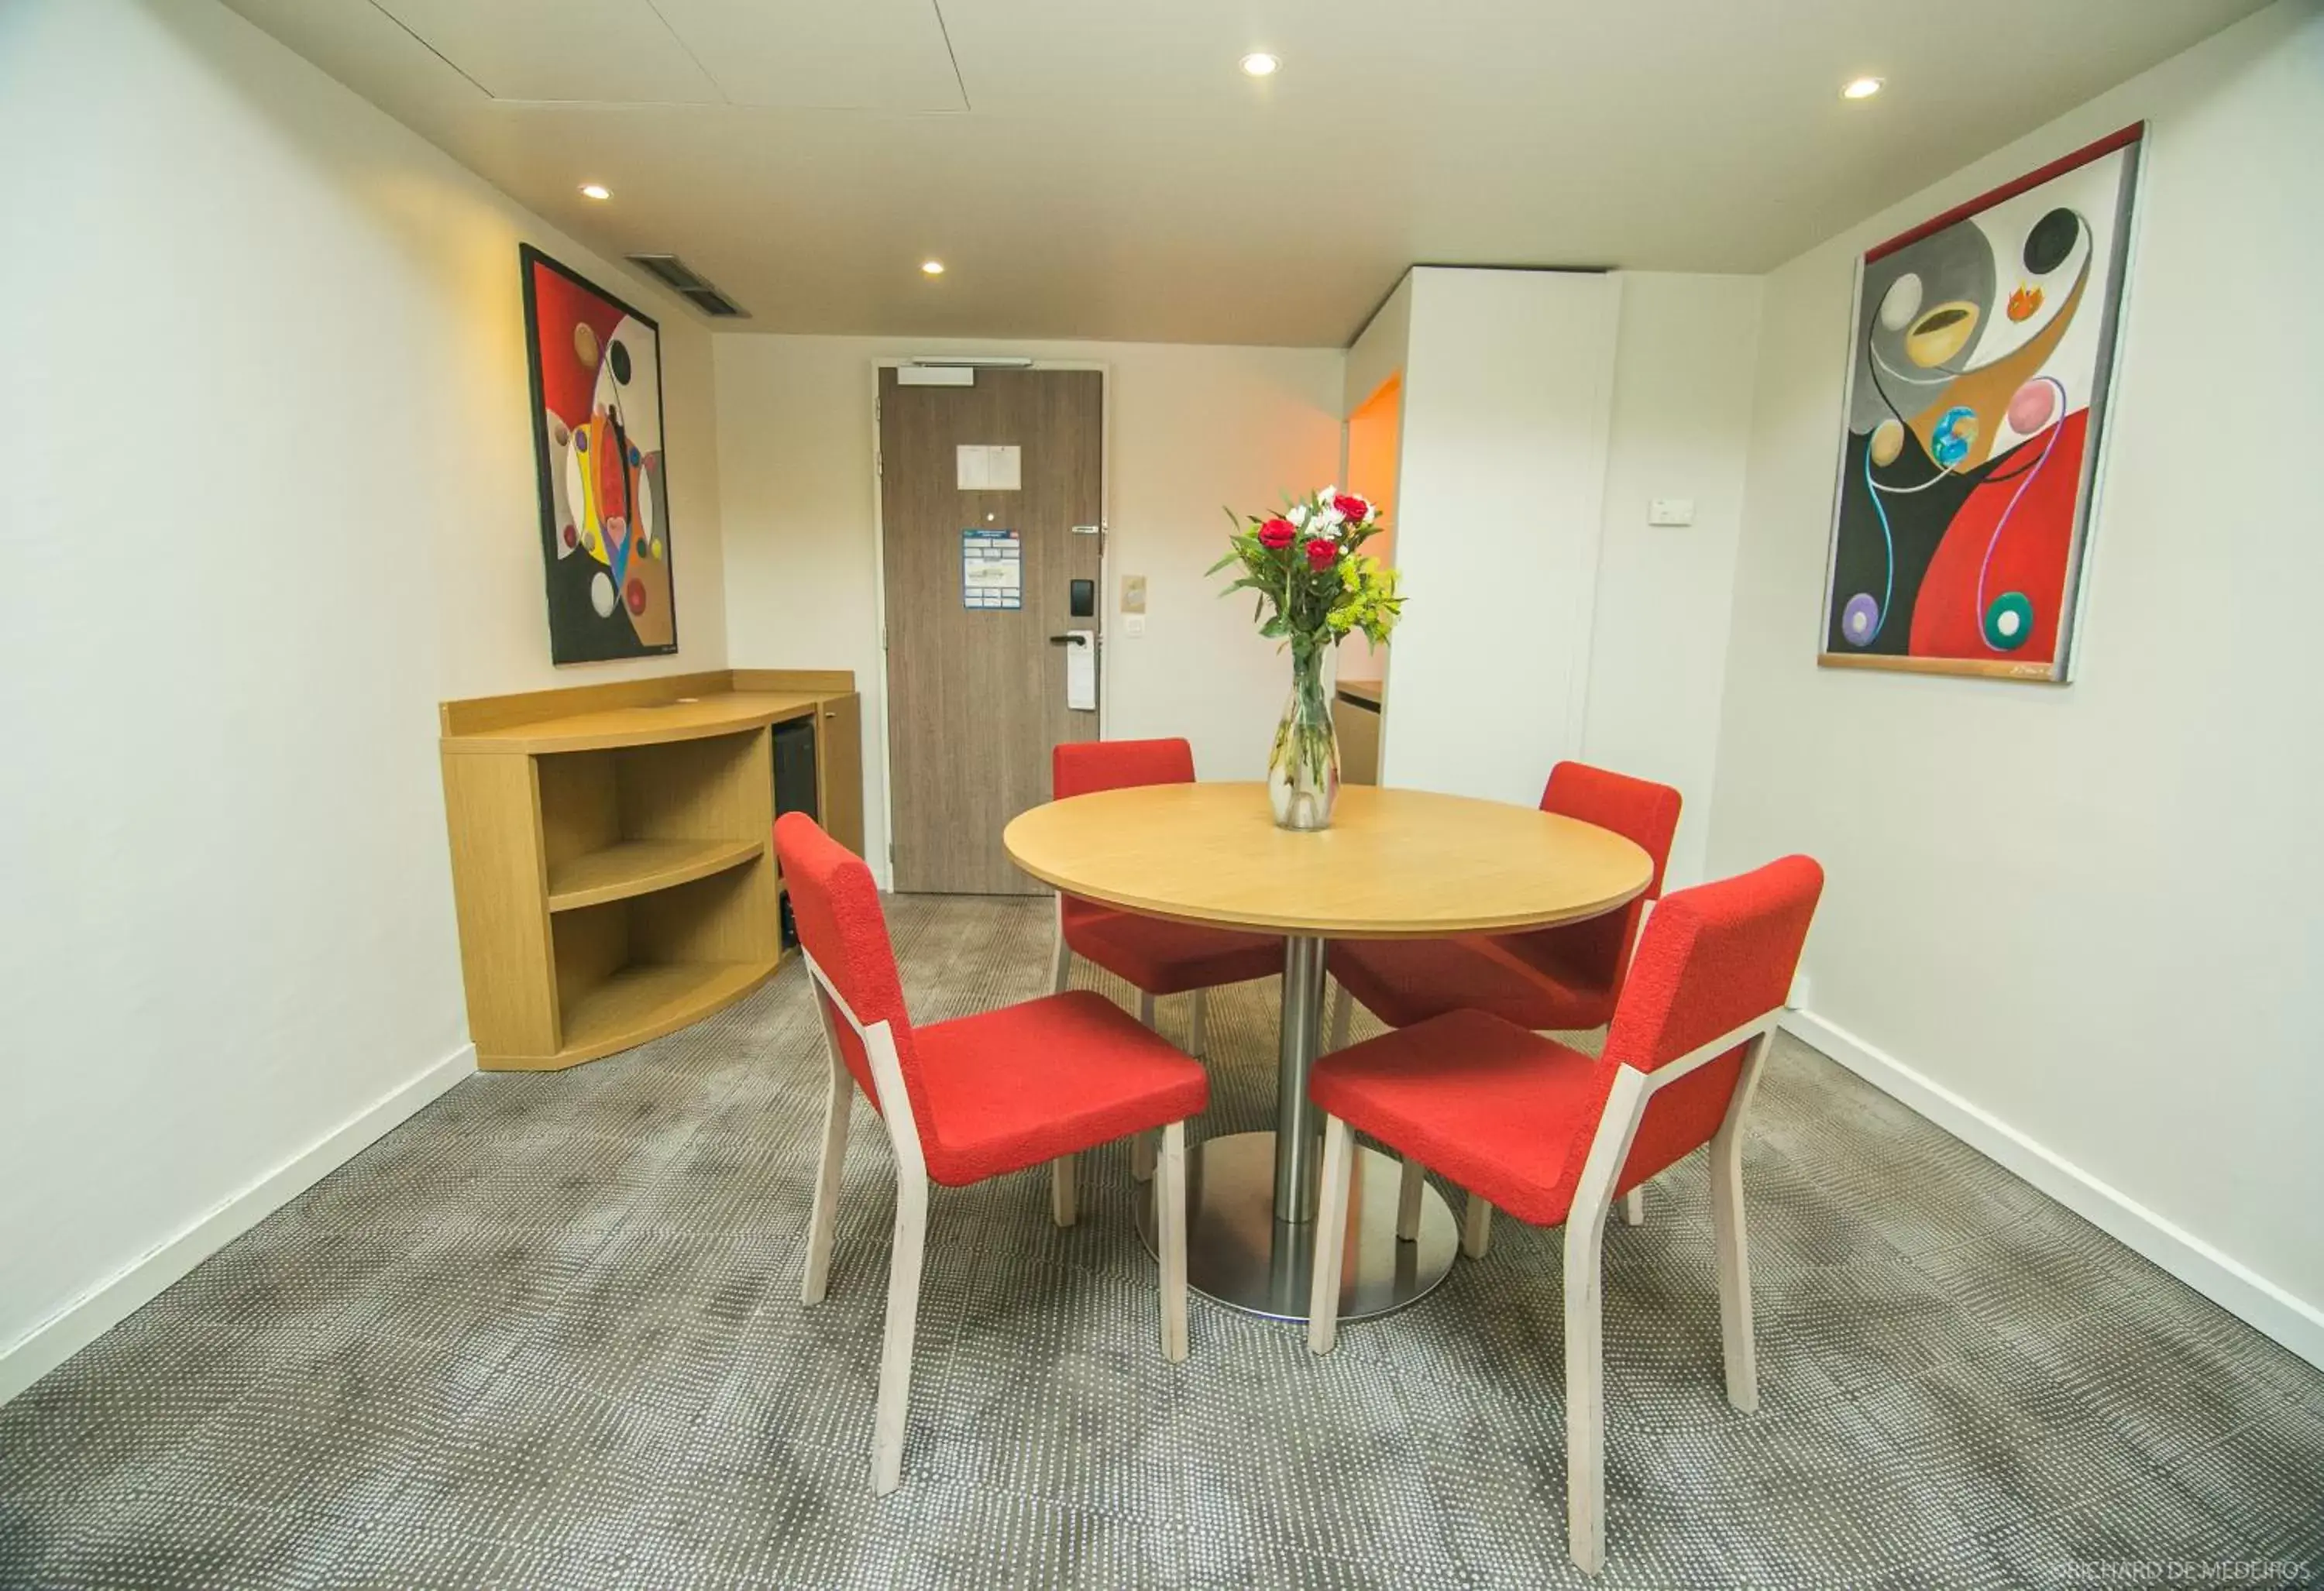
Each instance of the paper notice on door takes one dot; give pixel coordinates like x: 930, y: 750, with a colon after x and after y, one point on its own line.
x: 1081, y: 671
x: 979, y: 468
x: 992, y: 569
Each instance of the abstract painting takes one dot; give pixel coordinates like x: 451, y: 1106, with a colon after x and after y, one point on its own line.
x: 1978, y: 373
x: 604, y: 488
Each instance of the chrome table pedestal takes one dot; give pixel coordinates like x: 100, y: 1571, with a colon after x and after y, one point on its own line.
x: 1250, y: 1197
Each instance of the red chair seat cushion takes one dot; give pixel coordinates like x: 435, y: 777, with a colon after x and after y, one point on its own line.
x: 1404, y: 983
x: 1490, y: 1106
x: 1013, y: 1088
x: 1165, y: 958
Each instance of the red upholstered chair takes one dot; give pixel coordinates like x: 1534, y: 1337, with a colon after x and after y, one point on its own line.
x: 1553, y: 1136
x: 1153, y: 956
x: 968, y: 1099
x: 1565, y: 978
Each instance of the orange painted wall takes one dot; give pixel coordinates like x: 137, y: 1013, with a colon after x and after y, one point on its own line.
x: 1375, y: 446
x: 1375, y: 436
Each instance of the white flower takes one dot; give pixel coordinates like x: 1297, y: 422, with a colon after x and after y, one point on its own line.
x: 1299, y: 514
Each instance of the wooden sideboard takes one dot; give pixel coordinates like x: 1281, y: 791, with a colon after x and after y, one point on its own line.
x: 612, y: 857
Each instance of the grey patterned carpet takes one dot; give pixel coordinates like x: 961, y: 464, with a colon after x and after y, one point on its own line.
x: 548, y: 1333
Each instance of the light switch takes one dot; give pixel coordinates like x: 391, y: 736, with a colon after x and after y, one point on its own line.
x: 1133, y: 625
x: 1133, y: 594
x: 1671, y: 510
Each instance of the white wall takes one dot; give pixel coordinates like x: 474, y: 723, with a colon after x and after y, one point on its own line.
x: 1380, y: 349
x: 271, y: 495
x: 1508, y: 385
x: 2080, y: 925
x: 1373, y: 448
x: 1683, y: 370
x: 1192, y: 429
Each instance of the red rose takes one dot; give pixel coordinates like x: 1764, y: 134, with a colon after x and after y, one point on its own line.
x: 1278, y: 534
x: 1354, y: 509
x: 1321, y: 553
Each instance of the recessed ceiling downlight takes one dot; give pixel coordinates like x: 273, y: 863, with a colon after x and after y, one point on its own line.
x: 932, y: 267
x: 1259, y: 64
x: 1861, y: 89
x: 595, y: 190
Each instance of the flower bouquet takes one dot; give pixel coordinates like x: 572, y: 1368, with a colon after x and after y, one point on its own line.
x: 1315, y: 588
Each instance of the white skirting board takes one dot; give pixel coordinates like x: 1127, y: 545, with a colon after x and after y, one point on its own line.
x: 120, y: 1295
x: 2294, y: 1323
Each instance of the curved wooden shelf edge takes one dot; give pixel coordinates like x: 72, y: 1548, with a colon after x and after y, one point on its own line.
x: 730, y: 712
x: 641, y: 866
x: 638, y: 1003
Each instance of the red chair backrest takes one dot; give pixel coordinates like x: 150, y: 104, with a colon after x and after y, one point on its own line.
x: 1642, y: 812
x: 1083, y: 768
x: 1712, y: 959
x: 836, y: 907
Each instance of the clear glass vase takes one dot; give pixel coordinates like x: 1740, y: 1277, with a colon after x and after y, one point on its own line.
x: 1303, y: 771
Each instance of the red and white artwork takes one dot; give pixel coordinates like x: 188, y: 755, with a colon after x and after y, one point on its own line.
x: 1983, y: 345
x: 604, y: 491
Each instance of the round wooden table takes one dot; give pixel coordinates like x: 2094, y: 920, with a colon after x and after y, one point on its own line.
x: 1395, y: 864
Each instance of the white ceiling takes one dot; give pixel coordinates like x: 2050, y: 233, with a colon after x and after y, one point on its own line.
x: 1101, y: 168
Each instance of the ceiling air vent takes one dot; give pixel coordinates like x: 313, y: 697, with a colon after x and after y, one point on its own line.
x: 687, y: 284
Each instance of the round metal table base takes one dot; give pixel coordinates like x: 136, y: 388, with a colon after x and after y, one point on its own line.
x: 1238, y: 1254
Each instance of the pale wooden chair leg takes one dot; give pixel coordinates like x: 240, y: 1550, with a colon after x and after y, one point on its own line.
x: 1198, y: 1025
x: 1343, y: 1010
x: 1407, y: 1200
x: 823, y: 1210
x: 895, y: 1346
x: 1585, y: 1394
x: 1476, y: 1226
x: 1634, y: 1206
x: 1734, y: 1252
x: 1730, y: 1238
x: 1141, y: 1147
x: 1170, y: 1214
x: 1061, y: 972
x: 1330, y: 1237
x: 1061, y: 1190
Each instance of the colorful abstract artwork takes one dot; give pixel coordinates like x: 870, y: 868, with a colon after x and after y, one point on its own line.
x: 605, y: 489
x: 1976, y: 386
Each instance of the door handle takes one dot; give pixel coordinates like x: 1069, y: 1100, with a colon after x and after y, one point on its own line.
x: 1072, y: 637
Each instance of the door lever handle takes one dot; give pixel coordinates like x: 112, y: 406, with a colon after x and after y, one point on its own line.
x: 1070, y: 638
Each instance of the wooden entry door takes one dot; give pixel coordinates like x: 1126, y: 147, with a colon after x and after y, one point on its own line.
x: 977, y: 695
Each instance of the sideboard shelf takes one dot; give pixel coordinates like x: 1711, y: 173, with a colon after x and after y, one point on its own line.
x: 612, y: 857
x: 640, y: 866
x: 647, y: 999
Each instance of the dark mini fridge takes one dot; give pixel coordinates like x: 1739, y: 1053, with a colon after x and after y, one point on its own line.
x: 793, y: 788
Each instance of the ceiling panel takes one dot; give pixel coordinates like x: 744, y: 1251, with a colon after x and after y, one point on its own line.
x: 1115, y: 177
x: 602, y: 51
x: 859, y: 55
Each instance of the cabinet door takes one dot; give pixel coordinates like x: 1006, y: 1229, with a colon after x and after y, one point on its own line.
x: 839, y: 768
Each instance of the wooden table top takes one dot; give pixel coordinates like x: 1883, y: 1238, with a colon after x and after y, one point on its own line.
x: 1395, y: 864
